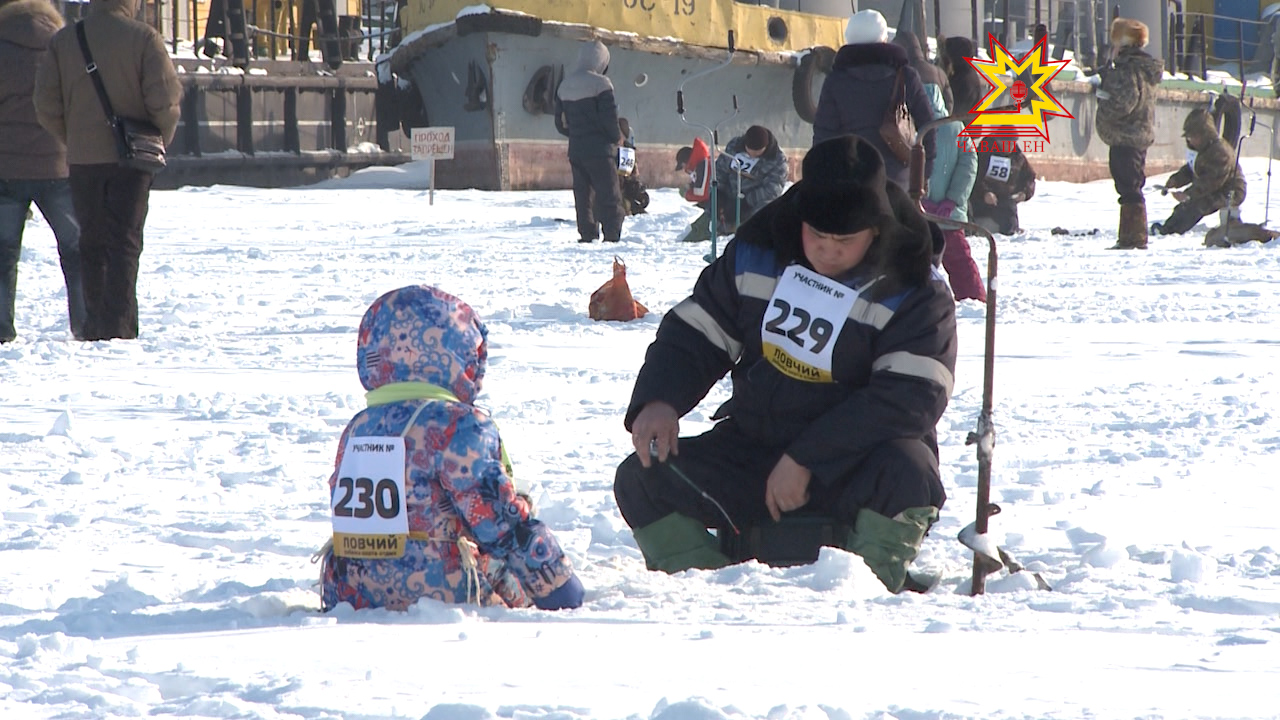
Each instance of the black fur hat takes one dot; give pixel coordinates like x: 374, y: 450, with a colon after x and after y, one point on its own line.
x: 842, y: 187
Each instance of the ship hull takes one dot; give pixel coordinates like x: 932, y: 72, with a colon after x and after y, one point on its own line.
x: 503, y: 145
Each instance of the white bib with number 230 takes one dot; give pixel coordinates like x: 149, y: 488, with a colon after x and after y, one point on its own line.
x: 804, y: 318
x: 368, y: 503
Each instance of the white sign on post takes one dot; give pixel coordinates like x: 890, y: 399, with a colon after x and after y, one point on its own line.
x: 432, y: 143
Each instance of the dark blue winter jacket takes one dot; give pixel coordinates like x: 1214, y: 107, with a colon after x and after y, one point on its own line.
x: 893, y: 359
x: 856, y: 95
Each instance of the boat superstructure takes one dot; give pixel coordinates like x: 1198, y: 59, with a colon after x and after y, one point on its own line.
x: 491, y: 71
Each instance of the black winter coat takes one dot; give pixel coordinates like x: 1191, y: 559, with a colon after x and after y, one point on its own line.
x: 856, y: 95
x: 929, y: 73
x: 893, y: 361
x: 967, y: 88
x: 586, y: 111
x: 587, y: 124
x: 1020, y: 179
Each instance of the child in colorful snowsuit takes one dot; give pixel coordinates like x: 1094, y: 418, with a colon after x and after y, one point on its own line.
x: 423, y: 502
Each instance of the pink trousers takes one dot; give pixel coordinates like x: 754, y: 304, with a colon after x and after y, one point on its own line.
x: 957, y: 260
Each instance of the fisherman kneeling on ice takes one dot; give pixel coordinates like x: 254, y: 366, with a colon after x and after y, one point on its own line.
x: 840, y: 337
x: 750, y: 173
x: 1212, y: 177
x: 423, y: 500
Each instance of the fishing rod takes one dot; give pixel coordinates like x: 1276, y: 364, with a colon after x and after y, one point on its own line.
x: 1266, y: 216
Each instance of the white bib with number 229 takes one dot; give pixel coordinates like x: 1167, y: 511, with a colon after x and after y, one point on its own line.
x: 368, y: 503
x: 804, y: 318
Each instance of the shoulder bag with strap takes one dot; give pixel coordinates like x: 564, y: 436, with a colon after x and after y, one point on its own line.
x: 898, y: 130
x: 139, y: 143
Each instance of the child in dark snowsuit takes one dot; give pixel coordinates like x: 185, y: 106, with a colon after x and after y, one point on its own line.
x: 635, y: 198
x: 1005, y: 178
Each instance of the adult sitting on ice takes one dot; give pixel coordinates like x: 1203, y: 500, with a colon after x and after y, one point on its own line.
x: 1211, y: 175
x: 841, y: 339
x: 423, y: 502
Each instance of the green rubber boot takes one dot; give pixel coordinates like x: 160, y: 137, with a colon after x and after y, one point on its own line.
x: 889, y: 545
x: 678, y: 542
x: 700, y: 229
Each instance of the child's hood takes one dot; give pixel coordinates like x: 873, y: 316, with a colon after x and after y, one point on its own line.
x: 422, y: 334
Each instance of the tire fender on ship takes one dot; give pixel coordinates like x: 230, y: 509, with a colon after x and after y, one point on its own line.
x: 410, y: 109
x: 815, y: 63
x: 540, y: 94
x: 1227, y: 111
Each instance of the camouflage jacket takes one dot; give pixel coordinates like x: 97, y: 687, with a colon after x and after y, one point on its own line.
x: 1214, y: 176
x: 1126, y: 115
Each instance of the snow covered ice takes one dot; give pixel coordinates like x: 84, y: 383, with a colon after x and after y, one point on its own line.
x: 162, y: 498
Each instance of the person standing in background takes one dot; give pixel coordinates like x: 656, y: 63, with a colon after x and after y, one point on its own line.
x: 967, y: 88
x: 930, y: 74
x: 864, y: 79
x: 1126, y: 122
x: 111, y: 200
x: 33, y: 163
x: 954, y: 171
x: 587, y: 114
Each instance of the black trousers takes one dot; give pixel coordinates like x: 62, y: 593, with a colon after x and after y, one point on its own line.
x: 1186, y: 214
x: 111, y: 204
x: 1129, y: 172
x: 733, y: 470
x: 596, y: 197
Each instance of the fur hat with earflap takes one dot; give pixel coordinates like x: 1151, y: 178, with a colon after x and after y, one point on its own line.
x: 843, y: 190
x: 1129, y: 33
x: 842, y: 187
x: 866, y: 26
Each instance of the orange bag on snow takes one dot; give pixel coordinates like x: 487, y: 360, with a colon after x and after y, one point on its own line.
x: 613, y: 300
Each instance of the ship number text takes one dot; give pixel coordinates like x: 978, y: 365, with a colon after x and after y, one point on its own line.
x: 678, y: 7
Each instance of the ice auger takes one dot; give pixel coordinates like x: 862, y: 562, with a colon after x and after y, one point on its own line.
x: 714, y: 132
